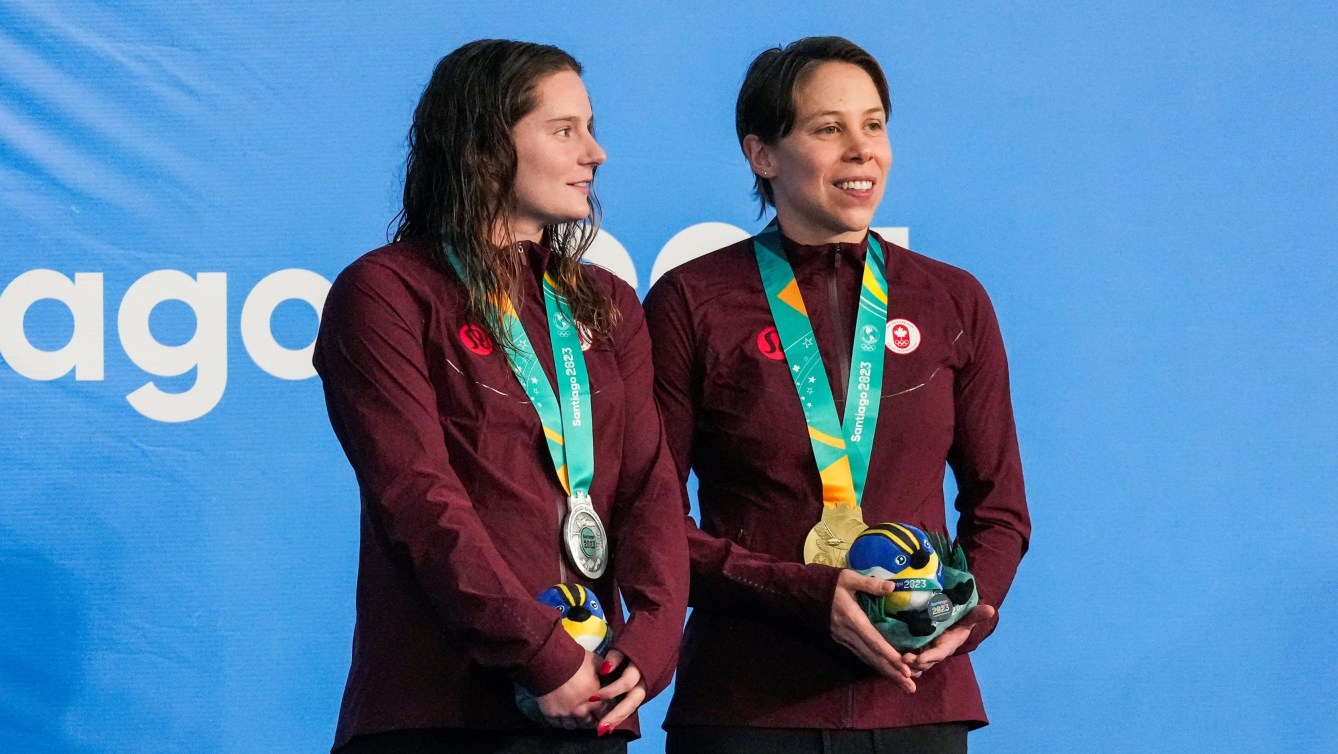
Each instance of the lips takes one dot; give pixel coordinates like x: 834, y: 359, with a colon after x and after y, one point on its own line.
x: 859, y: 189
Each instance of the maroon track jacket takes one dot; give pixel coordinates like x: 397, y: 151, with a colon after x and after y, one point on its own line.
x: 758, y: 651
x: 461, y: 508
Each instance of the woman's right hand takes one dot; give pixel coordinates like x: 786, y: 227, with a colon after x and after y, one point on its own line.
x: 569, y: 705
x: 851, y: 628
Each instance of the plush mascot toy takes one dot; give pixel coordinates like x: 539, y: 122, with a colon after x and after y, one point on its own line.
x: 583, y: 619
x: 933, y: 587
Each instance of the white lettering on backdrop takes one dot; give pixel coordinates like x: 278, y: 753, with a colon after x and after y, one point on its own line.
x: 205, y: 295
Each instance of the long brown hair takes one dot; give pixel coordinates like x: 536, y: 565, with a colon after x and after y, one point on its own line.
x: 460, y: 179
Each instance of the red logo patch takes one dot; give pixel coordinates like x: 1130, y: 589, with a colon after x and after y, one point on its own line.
x: 476, y: 339
x: 903, y: 336
x: 769, y: 343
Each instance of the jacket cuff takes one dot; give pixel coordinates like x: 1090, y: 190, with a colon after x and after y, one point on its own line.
x: 817, y: 591
x: 555, y: 662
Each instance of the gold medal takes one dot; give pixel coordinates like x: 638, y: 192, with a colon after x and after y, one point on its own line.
x: 842, y: 445
x: 829, y: 540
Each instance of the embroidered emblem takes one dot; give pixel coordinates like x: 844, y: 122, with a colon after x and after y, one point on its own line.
x: 903, y: 336
x: 769, y: 343
x: 476, y: 340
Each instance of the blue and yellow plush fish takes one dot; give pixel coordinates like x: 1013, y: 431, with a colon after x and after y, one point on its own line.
x: 903, y: 555
x: 583, y: 619
x: 933, y: 590
x: 582, y: 615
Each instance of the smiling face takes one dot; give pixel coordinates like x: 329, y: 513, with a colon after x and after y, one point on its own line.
x: 556, y: 157
x: 829, y: 172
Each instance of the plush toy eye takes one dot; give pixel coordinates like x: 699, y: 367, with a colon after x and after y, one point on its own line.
x: 594, y: 605
x: 901, y: 560
x: 558, y: 608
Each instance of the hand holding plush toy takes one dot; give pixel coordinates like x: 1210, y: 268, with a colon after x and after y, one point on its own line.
x: 583, y: 619
x: 933, y: 587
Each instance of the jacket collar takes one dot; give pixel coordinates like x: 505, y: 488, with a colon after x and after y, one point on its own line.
x: 801, y: 255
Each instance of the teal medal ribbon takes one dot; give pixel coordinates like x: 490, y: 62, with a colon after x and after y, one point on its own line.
x: 567, y: 421
x: 841, y: 447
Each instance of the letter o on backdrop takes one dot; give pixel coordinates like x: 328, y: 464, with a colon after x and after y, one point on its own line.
x: 258, y: 312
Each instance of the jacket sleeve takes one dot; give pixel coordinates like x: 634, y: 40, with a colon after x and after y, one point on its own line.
x: 725, y: 576
x: 650, y: 555
x: 994, y: 527
x: 370, y: 353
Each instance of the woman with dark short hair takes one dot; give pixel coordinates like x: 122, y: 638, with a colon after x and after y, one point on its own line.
x: 902, y: 355
x: 442, y: 356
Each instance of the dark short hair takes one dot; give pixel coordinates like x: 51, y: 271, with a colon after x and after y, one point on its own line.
x: 765, y: 107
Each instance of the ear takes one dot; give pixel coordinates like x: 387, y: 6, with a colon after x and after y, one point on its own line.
x: 760, y: 156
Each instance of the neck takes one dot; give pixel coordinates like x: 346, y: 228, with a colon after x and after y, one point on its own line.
x: 808, y: 235
x: 515, y: 232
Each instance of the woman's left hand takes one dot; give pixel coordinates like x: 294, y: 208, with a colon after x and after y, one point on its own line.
x: 630, y: 684
x: 947, y: 642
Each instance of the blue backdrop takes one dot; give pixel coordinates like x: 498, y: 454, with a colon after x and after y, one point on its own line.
x: 1147, y: 190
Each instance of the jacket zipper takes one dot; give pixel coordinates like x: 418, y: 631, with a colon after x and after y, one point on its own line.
x: 843, y: 372
x: 842, y: 358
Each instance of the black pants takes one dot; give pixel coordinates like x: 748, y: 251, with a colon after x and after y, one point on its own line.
x: 455, y: 741
x: 947, y: 738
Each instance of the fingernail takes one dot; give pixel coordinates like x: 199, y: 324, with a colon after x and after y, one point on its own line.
x: 605, y: 728
x: 595, y: 698
x: 606, y: 668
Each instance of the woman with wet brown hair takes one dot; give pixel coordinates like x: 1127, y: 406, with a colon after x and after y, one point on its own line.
x: 818, y: 378
x: 494, y: 397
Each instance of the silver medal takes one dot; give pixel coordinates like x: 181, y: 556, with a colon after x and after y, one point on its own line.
x: 583, y: 533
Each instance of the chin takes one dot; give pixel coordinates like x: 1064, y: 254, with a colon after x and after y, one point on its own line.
x: 852, y: 225
x: 576, y: 213
x: 849, y: 220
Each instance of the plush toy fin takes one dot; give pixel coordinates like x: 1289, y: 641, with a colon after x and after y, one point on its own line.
x: 960, y: 592
x: 917, y: 622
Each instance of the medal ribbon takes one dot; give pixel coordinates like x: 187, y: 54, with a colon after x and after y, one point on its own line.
x: 841, y: 448
x: 568, y: 422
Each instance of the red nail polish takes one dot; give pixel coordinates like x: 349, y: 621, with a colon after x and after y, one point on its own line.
x: 606, y: 668
x: 595, y: 698
x: 605, y: 728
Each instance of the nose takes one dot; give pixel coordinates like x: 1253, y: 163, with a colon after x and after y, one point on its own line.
x: 860, y: 148
x: 594, y: 155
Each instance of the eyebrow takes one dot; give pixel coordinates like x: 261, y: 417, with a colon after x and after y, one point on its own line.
x: 825, y: 113
x: 573, y: 120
